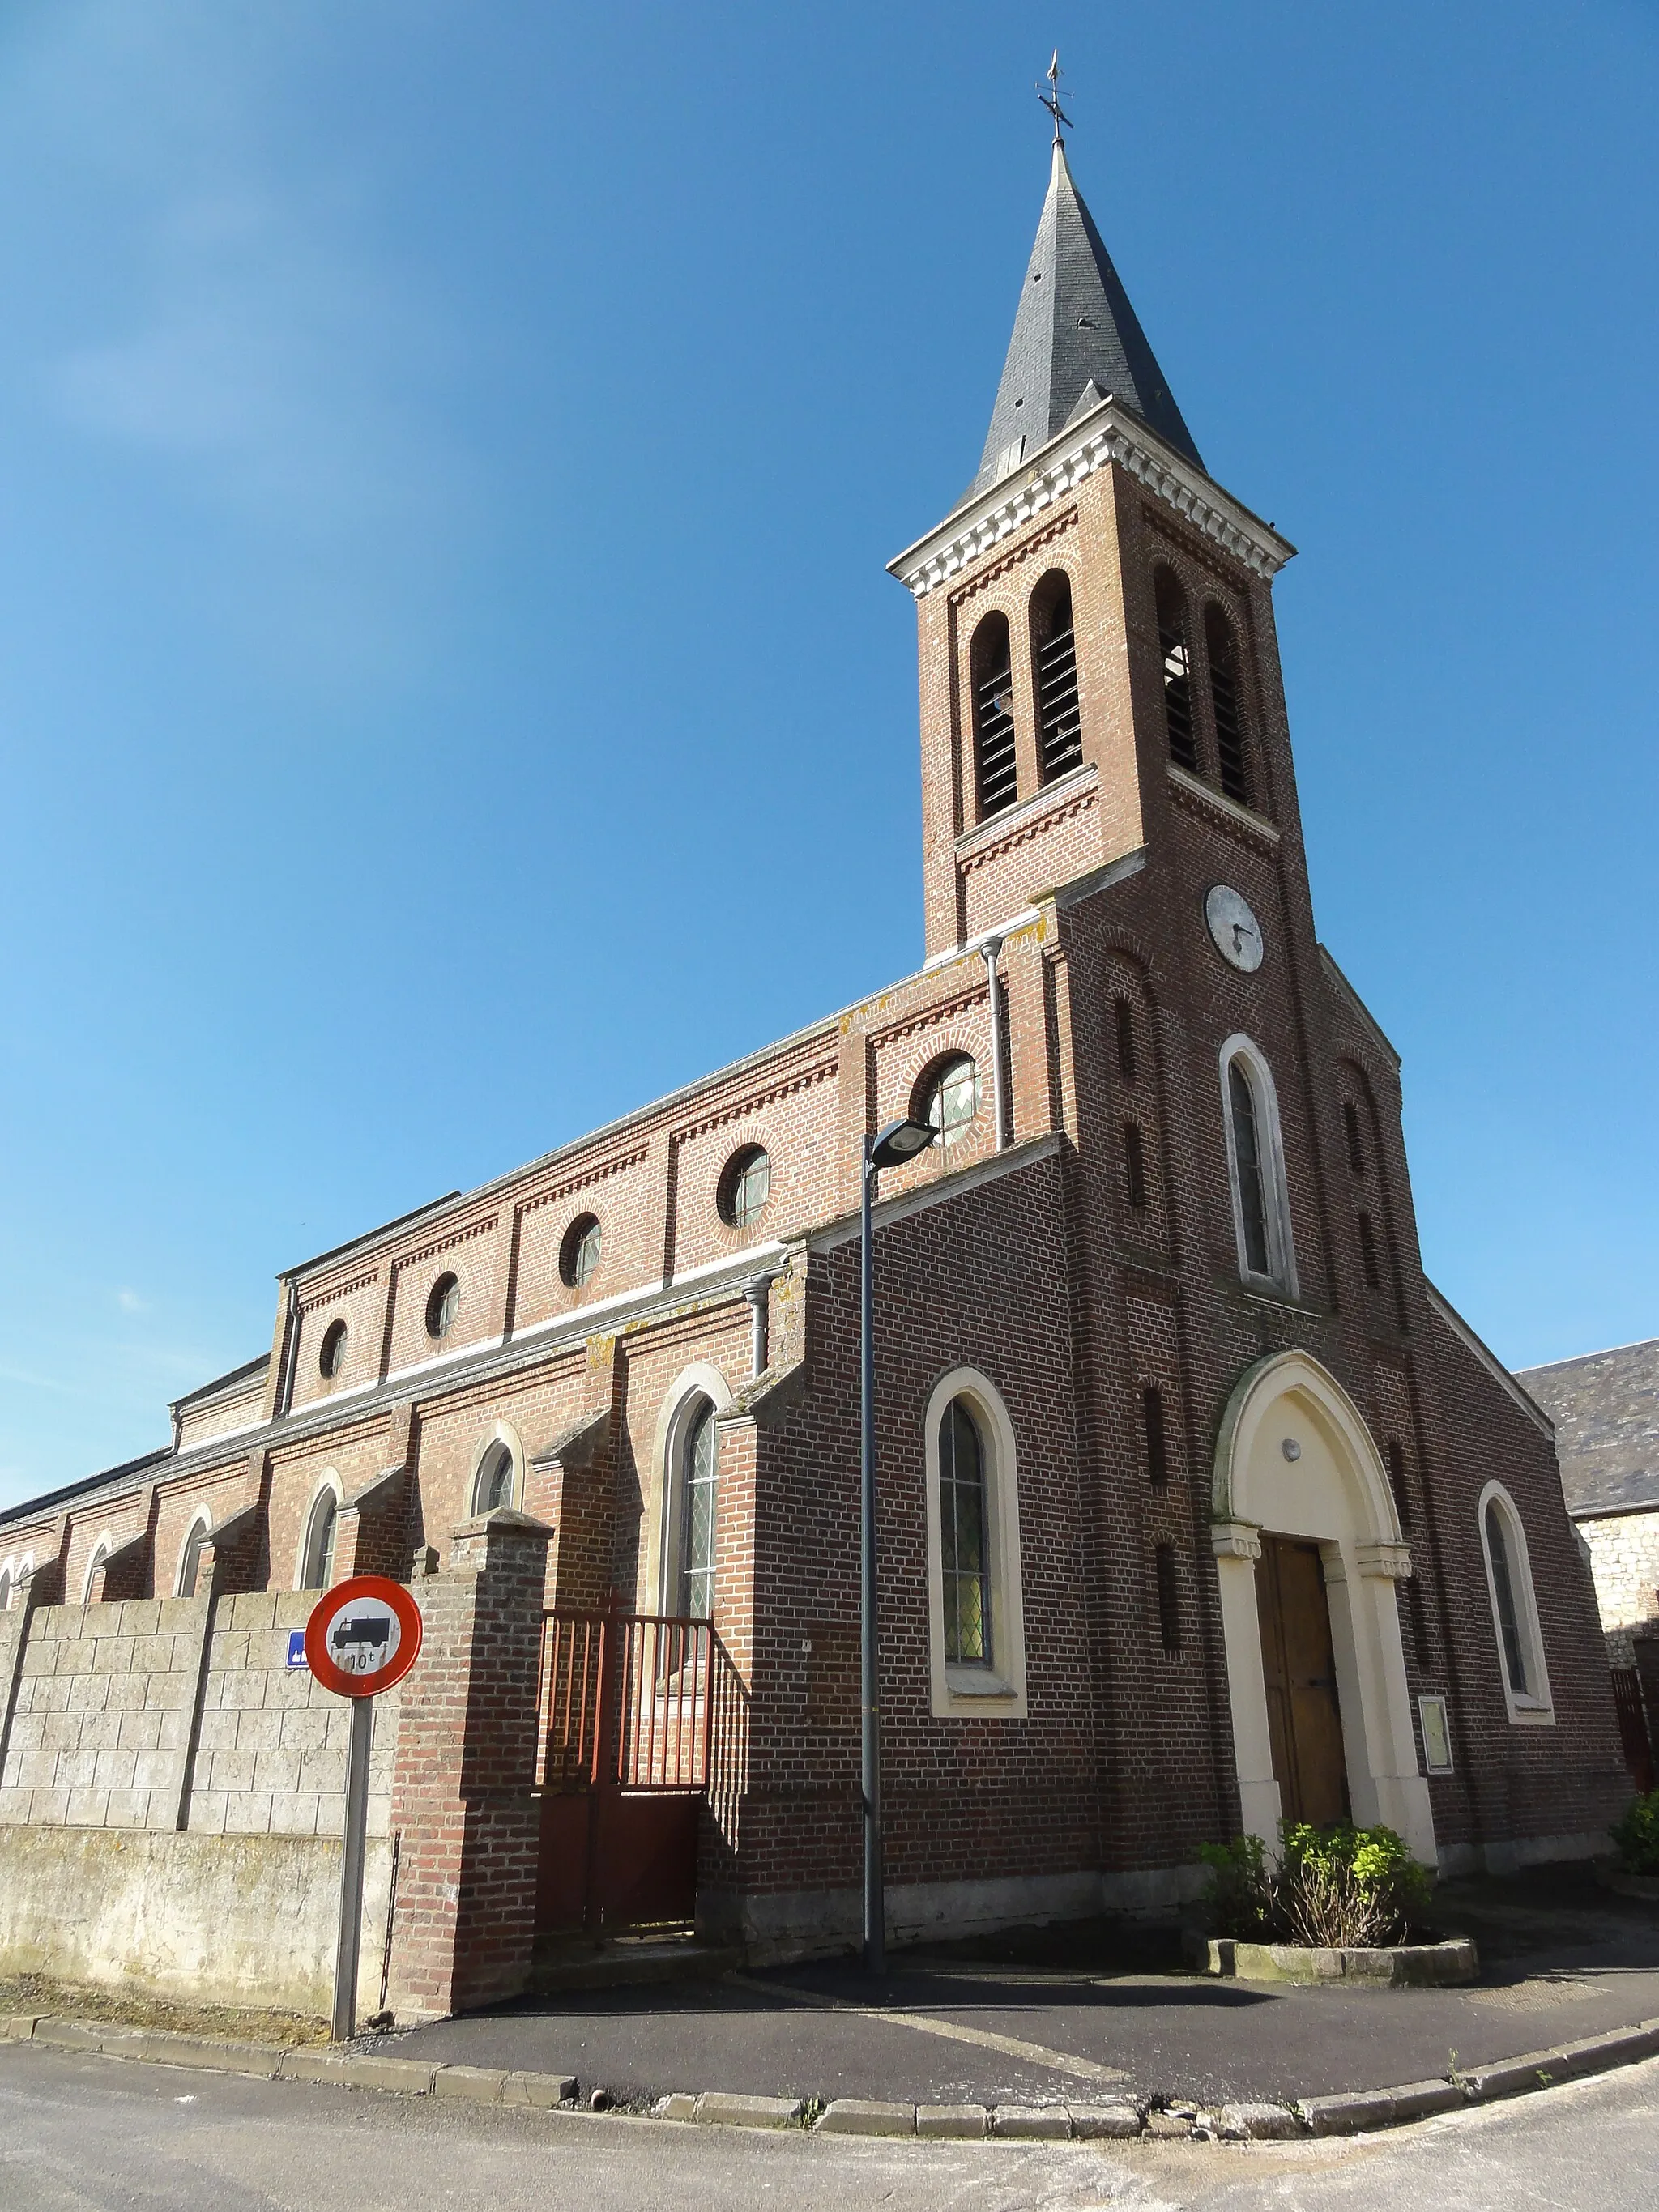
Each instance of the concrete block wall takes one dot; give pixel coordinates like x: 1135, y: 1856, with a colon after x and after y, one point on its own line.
x: 172, y: 1797
x: 103, y: 1712
x: 271, y: 1745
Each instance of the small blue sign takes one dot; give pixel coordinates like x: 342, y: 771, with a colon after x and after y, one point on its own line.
x: 296, y: 1647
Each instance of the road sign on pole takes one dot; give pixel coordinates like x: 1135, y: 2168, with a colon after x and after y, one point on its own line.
x: 363, y: 1636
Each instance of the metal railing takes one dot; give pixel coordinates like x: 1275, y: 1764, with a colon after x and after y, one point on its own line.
x: 627, y: 1702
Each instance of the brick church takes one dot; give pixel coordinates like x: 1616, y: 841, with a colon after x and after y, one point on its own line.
x: 1200, y: 1505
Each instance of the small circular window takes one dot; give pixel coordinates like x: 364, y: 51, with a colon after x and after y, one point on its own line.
x: 442, y: 1306
x: 331, y: 1358
x: 950, y: 1097
x: 579, y: 1255
x: 745, y: 1186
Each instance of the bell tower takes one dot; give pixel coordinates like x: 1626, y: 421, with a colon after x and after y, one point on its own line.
x: 1093, y: 612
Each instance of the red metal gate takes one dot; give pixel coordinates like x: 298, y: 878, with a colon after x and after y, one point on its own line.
x: 1633, y: 1726
x: 627, y: 1710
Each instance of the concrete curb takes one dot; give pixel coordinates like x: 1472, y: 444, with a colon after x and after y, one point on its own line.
x: 1172, y: 2120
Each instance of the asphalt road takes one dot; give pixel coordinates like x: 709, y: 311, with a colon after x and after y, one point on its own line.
x: 93, y: 2135
x: 797, y: 2035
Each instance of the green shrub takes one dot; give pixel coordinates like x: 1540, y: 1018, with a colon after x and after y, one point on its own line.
x: 1638, y: 1835
x: 1340, y: 1887
x: 1238, y: 1895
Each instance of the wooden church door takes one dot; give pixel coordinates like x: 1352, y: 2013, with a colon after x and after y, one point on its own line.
x: 1305, y: 1722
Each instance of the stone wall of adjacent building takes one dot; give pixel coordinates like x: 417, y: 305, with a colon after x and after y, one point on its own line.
x: 1625, y: 1560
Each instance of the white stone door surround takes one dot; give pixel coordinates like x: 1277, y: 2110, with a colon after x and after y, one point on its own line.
x: 1294, y: 1457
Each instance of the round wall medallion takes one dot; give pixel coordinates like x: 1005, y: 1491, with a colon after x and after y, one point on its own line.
x: 1236, y: 931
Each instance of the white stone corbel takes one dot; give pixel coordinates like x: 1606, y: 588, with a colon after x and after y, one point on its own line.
x: 1384, y: 1562
x: 1236, y: 1540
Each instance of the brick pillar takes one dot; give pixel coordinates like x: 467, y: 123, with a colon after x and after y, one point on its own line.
x: 464, y: 1771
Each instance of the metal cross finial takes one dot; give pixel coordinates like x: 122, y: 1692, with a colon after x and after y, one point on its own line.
x: 1051, y: 98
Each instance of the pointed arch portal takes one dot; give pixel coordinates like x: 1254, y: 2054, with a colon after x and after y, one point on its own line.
x: 1294, y: 1461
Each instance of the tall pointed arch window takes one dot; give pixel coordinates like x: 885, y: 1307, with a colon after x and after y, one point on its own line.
x: 1221, y: 650
x: 189, y: 1559
x: 1053, y: 642
x: 976, y: 1611
x: 322, y: 1530
x: 1171, y: 603
x: 964, y: 1555
x: 1255, y: 1169
x: 495, y: 1481
x: 1514, y: 1608
x: 992, y: 665
x: 700, y: 1482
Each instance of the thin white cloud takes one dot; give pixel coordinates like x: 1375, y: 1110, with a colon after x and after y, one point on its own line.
x: 265, y: 349
x: 131, y: 1302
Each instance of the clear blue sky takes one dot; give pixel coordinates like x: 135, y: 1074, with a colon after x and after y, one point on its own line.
x: 449, y: 690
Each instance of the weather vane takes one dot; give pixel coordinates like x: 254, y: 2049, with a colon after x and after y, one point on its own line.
x: 1051, y: 98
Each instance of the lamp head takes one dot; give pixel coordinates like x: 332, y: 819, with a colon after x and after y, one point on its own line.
x: 901, y: 1140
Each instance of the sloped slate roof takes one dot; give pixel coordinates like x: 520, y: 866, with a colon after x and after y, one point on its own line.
x: 1073, y: 328
x: 1606, y: 1410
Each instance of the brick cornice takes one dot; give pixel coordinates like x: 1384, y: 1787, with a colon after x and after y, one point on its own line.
x: 600, y: 1171
x: 1108, y: 435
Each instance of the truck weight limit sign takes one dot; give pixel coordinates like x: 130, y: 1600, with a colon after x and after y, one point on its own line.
x: 363, y: 1636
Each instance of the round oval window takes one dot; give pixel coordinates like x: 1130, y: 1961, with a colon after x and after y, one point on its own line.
x: 442, y: 1306
x: 578, y: 1255
x: 952, y: 1098
x: 331, y: 1358
x: 745, y: 1186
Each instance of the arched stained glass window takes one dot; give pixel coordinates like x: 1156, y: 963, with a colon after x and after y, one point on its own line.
x: 495, y: 1484
x: 701, y: 1475
x: 190, y: 1565
x: 318, y: 1570
x: 963, y: 1539
x: 1247, y: 1152
x: 1503, y: 1583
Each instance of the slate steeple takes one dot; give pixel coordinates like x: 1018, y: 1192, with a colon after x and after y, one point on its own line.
x: 1077, y: 340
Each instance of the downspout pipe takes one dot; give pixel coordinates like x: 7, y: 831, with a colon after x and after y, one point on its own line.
x: 989, y: 948
x: 759, y: 1294
x: 290, y: 1354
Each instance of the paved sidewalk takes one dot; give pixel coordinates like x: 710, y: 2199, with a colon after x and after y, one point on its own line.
x: 1004, y: 2024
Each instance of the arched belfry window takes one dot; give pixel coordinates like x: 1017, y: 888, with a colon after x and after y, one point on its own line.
x: 1514, y: 1607
x: 1054, y: 642
x: 1171, y: 602
x: 700, y: 1481
x: 1255, y: 1167
x: 1221, y: 651
x: 991, y: 662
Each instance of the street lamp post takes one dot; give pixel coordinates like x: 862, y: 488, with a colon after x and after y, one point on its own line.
x: 899, y: 1140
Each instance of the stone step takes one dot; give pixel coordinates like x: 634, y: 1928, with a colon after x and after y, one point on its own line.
x: 625, y: 1961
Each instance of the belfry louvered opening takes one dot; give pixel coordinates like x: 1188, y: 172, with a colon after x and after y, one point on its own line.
x: 1223, y: 655
x: 991, y: 661
x: 1171, y: 603
x: 1053, y: 642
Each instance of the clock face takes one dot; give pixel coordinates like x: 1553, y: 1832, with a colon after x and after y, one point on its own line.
x: 1236, y: 931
